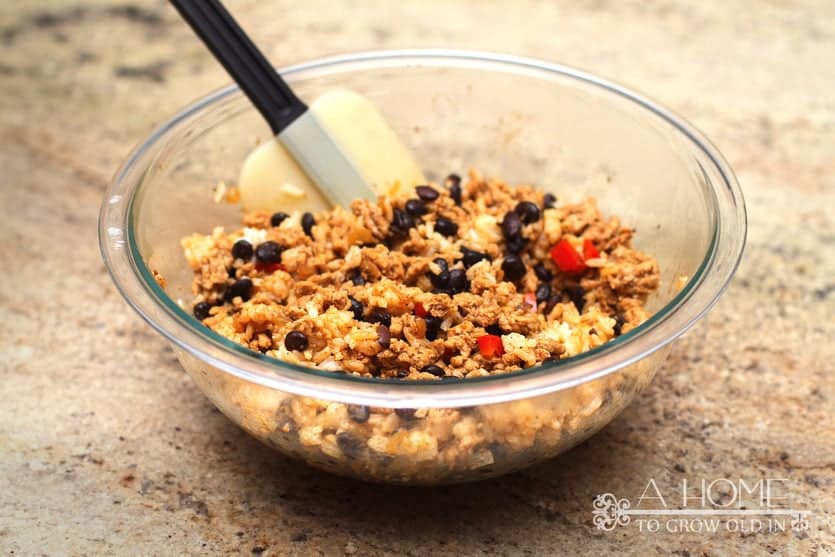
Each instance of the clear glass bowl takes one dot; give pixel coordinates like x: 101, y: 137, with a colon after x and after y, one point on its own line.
x: 519, y: 119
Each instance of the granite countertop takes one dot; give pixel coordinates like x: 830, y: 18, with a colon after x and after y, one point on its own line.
x: 106, y: 447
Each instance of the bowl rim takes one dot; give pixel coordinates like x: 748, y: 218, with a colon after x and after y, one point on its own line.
x: 136, y: 283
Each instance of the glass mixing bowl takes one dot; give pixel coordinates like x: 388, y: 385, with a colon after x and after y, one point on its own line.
x: 522, y: 120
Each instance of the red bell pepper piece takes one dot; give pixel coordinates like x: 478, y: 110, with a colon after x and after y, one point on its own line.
x: 420, y: 311
x: 270, y: 268
x: 590, y: 251
x: 490, y: 346
x: 566, y: 258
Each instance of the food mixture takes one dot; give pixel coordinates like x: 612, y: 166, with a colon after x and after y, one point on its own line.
x: 464, y: 279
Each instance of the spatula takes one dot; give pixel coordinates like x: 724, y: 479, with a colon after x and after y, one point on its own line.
x: 295, y: 126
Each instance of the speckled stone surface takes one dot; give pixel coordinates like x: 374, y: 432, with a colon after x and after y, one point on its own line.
x: 106, y: 447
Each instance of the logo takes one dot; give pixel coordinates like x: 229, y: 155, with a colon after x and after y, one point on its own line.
x: 703, y: 506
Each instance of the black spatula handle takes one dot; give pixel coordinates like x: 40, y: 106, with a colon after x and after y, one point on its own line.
x: 244, y: 62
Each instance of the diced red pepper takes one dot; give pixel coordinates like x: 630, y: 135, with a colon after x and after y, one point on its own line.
x: 530, y: 300
x: 270, y: 268
x: 420, y: 311
x: 490, y: 346
x: 590, y: 251
x: 566, y: 258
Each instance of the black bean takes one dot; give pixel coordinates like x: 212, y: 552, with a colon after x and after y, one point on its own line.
x: 295, y: 340
x: 516, y: 245
x: 543, y: 273
x: 242, y: 250
x: 402, y: 373
x: 416, y: 207
x: 401, y: 219
x: 552, y: 301
x: 379, y: 315
x: 494, y: 329
x: 577, y: 295
x: 433, y: 326
x: 242, y: 288
x: 527, y: 211
x: 350, y: 445
x: 357, y: 308
x: 456, y: 194
x: 445, y: 227
x: 619, y: 322
x: 470, y: 257
x: 513, y: 268
x: 201, y: 310
x: 358, y: 279
x: 407, y: 413
x: 278, y: 218
x: 268, y: 252
x: 359, y: 413
x: 548, y: 200
x: 453, y: 182
x: 307, y: 223
x: 427, y: 193
x: 511, y: 225
x: 543, y: 292
x: 440, y: 280
x: 434, y: 370
x: 458, y: 281
x: 401, y: 222
x: 383, y: 336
